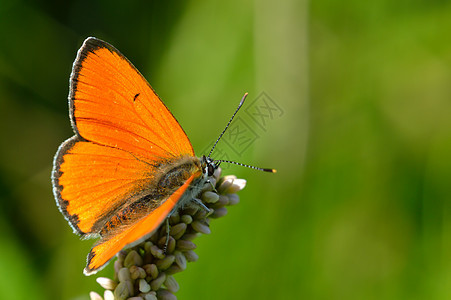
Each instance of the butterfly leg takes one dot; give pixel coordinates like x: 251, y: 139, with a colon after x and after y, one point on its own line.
x: 203, y: 206
x: 212, y: 186
x: 167, y: 234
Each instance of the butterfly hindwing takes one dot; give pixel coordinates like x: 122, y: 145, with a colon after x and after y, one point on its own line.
x: 110, y: 244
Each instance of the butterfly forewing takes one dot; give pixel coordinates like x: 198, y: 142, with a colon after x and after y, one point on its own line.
x: 113, y: 105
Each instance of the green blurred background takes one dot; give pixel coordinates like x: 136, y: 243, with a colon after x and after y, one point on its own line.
x: 360, y: 207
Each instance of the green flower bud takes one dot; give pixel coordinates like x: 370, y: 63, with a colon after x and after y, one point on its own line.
x: 165, y: 295
x: 201, y: 227
x: 95, y: 296
x: 133, y: 259
x: 185, y: 245
x: 171, y: 284
x: 106, y: 283
x: 166, y: 262
x: 144, y: 287
x: 158, y: 282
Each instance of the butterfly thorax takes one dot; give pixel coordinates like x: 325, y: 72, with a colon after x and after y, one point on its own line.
x: 170, y: 176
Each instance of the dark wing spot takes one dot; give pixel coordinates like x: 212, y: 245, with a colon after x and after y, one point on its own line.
x: 136, y: 96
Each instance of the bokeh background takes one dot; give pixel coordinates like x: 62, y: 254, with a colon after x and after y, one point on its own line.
x: 360, y: 207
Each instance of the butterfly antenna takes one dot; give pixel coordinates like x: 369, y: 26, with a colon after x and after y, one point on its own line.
x: 217, y: 162
x: 230, y: 121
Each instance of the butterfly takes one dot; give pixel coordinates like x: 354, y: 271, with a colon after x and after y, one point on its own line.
x: 130, y: 163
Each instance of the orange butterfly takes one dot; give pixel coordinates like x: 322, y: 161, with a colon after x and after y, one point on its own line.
x: 129, y: 164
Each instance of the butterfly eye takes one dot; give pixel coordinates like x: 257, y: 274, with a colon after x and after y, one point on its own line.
x: 211, y: 168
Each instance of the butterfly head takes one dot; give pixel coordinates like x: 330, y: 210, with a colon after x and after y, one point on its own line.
x: 208, y: 165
